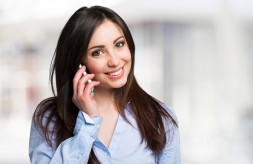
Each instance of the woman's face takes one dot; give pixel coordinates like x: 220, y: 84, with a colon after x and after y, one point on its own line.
x: 108, y: 56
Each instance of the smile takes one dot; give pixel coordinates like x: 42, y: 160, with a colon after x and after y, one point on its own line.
x: 116, y: 73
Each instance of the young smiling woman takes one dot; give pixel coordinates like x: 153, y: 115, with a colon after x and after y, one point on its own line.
x: 103, y: 116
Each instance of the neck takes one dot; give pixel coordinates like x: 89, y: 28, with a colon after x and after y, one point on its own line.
x: 105, y: 99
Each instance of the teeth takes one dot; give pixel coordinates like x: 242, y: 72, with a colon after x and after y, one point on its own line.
x: 115, y: 73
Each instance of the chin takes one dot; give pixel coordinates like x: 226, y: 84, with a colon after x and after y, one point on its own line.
x: 119, y: 85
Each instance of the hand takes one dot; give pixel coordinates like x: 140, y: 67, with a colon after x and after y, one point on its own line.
x: 82, y: 96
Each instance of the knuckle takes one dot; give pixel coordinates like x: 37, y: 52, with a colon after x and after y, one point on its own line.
x: 78, y: 82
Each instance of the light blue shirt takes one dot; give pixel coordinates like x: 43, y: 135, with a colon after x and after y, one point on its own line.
x: 125, y: 146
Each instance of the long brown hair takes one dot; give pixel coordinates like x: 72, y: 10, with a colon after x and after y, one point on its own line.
x: 71, y: 47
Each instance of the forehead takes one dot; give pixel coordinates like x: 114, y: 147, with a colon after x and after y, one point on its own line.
x: 107, y: 31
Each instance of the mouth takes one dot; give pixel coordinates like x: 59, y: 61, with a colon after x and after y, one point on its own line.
x: 115, y: 73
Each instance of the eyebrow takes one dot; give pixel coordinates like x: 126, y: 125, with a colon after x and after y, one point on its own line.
x: 102, y: 46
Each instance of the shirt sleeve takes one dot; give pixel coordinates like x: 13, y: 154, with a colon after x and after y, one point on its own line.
x: 75, y: 149
x: 171, y: 153
x: 87, y: 118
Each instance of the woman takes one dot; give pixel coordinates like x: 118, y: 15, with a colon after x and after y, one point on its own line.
x: 103, y: 116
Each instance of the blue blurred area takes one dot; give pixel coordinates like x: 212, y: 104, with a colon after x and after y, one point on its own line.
x: 196, y: 56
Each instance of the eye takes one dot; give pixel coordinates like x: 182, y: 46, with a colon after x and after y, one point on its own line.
x: 120, y: 44
x: 97, y: 53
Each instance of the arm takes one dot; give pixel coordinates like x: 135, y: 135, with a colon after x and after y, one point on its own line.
x: 73, y: 150
x: 171, y: 152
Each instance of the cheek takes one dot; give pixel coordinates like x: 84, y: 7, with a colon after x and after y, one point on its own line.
x: 126, y: 54
x: 94, y: 67
x: 127, y: 57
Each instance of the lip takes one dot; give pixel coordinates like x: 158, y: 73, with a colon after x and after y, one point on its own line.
x: 121, y: 73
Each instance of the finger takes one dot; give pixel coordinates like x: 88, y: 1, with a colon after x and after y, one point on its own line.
x: 81, y: 84
x: 77, y: 77
x: 90, y: 87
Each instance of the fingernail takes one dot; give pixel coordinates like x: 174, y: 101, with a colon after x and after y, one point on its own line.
x: 80, y: 66
x: 84, y: 73
x: 89, y: 81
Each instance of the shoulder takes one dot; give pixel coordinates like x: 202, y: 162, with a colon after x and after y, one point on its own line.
x: 164, y: 109
x: 45, y: 105
x: 169, y: 109
x: 170, y: 119
x: 44, y: 115
x: 42, y: 125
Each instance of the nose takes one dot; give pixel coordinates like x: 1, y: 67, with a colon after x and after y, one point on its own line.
x: 113, y: 59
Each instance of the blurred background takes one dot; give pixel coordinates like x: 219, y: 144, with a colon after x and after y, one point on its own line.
x: 194, y: 55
